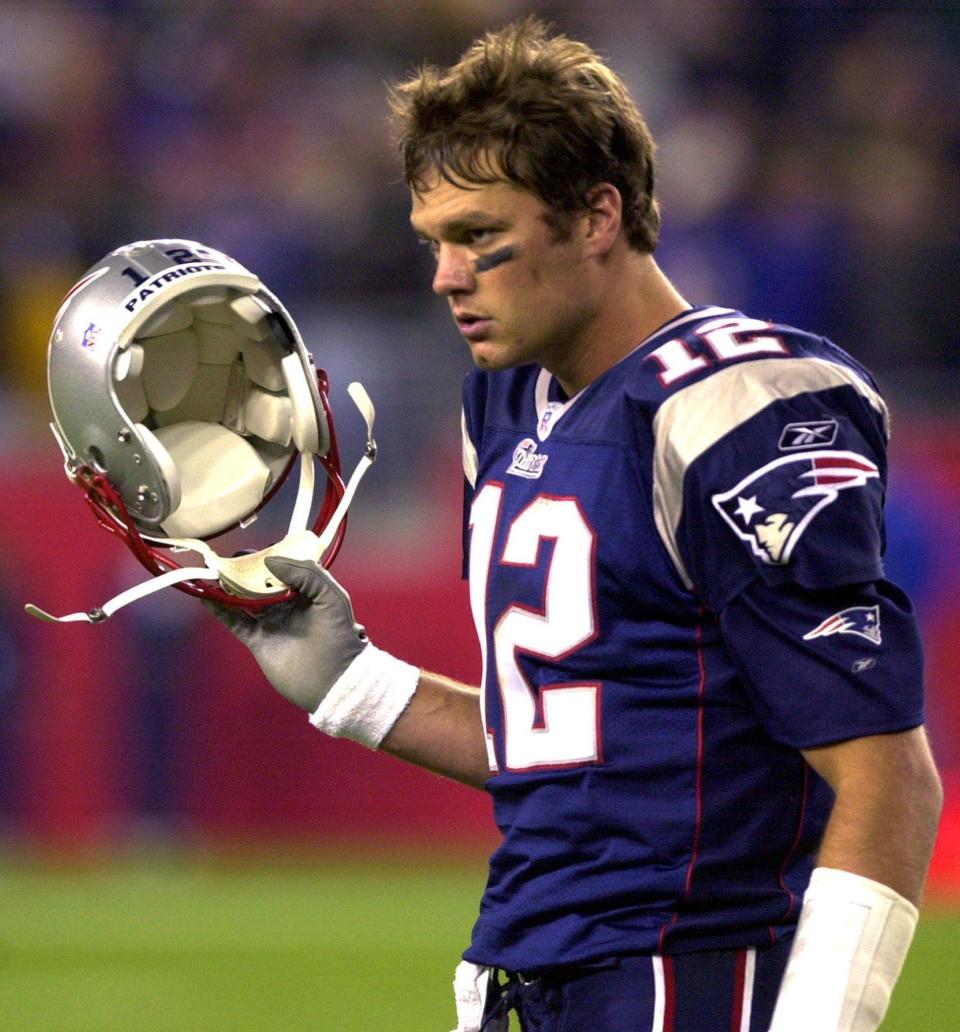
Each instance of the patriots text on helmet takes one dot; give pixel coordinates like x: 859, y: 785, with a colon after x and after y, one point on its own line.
x: 162, y: 279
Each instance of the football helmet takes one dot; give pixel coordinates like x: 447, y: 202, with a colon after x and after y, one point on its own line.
x: 182, y: 396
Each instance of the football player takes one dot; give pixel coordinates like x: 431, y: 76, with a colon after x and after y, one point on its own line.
x: 701, y: 717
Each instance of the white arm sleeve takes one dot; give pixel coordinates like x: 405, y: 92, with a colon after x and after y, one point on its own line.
x: 851, y: 942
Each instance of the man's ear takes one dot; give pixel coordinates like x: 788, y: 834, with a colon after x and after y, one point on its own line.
x: 603, y: 218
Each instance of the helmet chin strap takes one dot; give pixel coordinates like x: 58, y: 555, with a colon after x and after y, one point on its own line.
x: 247, y: 575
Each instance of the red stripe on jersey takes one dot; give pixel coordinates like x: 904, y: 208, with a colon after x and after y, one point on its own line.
x: 695, y: 848
x: 669, y: 995
x: 791, y: 896
x: 701, y: 689
x: 739, y: 984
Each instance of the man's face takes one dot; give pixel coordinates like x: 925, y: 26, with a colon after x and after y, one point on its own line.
x: 517, y: 293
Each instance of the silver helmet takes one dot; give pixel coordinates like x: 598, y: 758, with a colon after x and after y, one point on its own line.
x: 182, y: 395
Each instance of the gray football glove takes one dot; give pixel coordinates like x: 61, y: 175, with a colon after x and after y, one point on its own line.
x: 302, y: 646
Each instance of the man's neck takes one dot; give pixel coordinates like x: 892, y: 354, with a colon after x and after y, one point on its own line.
x: 636, y: 299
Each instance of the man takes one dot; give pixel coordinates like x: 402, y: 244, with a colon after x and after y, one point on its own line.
x: 697, y: 684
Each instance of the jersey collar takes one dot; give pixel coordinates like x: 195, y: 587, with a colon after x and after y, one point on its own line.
x: 550, y: 407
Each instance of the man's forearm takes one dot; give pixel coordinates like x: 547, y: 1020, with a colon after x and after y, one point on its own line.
x: 860, y: 909
x: 441, y: 730
x: 884, y: 820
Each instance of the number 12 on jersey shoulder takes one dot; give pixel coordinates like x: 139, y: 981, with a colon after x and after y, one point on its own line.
x: 557, y: 725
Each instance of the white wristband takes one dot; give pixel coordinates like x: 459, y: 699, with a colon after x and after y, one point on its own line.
x: 851, y: 942
x: 367, y: 698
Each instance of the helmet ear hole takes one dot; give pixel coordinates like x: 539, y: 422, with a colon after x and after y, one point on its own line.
x: 96, y: 459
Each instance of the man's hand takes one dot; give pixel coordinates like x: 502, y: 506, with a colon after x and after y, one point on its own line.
x: 314, y: 653
x: 302, y: 646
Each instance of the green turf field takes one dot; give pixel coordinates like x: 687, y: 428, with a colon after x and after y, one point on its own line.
x: 330, y: 947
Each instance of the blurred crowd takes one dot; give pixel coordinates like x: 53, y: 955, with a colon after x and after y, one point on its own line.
x: 808, y: 166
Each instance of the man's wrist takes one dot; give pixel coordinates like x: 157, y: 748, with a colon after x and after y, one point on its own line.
x: 368, y: 698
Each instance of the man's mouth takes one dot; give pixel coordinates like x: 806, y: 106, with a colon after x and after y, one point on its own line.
x: 473, y: 327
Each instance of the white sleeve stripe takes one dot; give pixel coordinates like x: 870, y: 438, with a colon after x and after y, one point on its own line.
x: 749, y: 972
x: 695, y: 418
x: 659, y: 994
x: 471, y: 461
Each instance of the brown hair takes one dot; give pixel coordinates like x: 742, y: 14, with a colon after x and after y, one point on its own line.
x: 539, y: 110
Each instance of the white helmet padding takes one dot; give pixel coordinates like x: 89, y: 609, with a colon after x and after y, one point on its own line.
x: 229, y: 409
x: 222, y: 478
x: 304, y: 427
x: 219, y: 361
x: 182, y: 395
x: 165, y: 462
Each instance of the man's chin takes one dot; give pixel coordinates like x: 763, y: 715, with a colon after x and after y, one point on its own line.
x: 488, y: 356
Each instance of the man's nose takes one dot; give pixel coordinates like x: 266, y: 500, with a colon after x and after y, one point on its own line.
x: 454, y: 273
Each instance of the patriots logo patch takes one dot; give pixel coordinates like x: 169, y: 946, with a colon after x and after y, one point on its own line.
x: 772, y: 507
x: 527, y: 461
x: 864, y: 621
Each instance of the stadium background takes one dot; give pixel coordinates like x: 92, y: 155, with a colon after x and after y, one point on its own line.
x: 809, y: 160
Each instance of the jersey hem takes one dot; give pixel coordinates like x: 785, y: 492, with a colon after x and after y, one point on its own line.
x: 833, y: 738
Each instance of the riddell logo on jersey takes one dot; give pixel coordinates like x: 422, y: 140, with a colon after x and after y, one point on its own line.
x: 526, y: 461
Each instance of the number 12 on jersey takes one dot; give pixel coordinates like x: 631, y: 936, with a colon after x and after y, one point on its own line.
x: 557, y: 724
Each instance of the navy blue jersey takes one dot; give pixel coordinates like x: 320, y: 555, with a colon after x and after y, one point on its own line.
x: 677, y: 582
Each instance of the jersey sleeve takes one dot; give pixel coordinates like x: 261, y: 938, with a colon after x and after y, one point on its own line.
x: 777, y: 471
x: 827, y: 665
x: 779, y: 530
